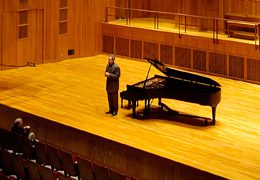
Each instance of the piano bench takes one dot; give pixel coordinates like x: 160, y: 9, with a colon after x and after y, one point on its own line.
x: 124, y: 96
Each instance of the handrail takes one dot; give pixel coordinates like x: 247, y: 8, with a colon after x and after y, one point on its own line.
x: 178, y: 14
x: 215, y: 21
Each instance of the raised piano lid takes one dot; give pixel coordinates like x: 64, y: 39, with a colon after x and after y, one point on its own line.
x: 181, y: 75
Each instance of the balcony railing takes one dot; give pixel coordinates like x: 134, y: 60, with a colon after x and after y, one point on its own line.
x: 211, y: 27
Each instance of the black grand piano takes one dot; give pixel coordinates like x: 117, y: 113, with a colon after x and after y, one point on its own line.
x: 177, y: 85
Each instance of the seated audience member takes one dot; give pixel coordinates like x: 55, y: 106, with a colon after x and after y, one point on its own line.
x: 32, y: 137
x: 19, y: 128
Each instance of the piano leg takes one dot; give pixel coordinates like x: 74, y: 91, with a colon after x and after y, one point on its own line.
x: 159, y: 101
x: 122, y: 102
x: 147, y: 107
x: 213, y: 114
x: 129, y: 104
x: 134, y: 108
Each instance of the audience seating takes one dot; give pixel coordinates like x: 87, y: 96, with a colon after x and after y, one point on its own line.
x: 4, y: 139
x: 85, y: 169
x: 2, y: 135
x: 100, y: 172
x: 33, y: 170
x: 26, y: 147
x: 6, y: 162
x: 46, y: 173
x: 70, y: 168
x: 114, y: 175
x: 18, y: 166
x: 20, y: 158
x: 54, y: 157
x: 61, y: 176
x: 41, y: 153
x: 5, y: 177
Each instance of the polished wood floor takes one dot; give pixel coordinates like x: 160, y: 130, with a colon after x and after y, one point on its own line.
x: 72, y: 92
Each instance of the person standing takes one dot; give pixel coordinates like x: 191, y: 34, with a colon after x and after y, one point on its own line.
x: 112, y: 84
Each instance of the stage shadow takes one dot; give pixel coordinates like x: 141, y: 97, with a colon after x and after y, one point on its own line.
x: 174, y: 116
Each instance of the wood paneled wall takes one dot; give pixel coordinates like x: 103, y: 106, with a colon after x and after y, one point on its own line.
x: 194, y: 7
x: 211, y: 8
x: 234, y: 9
x: 243, y: 8
x: 1, y: 22
x: 44, y: 43
x: 238, y: 61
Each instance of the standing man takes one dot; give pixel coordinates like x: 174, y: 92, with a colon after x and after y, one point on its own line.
x: 112, y: 86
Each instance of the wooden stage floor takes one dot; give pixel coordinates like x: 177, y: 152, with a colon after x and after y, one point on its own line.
x: 72, y: 92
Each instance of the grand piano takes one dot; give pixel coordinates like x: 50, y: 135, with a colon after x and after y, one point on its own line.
x: 177, y: 85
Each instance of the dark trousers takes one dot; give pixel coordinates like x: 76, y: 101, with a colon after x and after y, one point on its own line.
x: 113, y: 101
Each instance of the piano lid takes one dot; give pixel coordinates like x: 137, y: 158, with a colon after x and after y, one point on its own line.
x: 185, y: 76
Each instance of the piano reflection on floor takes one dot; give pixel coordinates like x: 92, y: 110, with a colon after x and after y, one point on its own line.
x: 177, y: 85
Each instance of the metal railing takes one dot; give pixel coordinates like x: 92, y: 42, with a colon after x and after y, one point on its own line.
x: 180, y: 23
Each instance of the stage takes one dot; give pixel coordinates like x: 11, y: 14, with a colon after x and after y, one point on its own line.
x: 72, y: 93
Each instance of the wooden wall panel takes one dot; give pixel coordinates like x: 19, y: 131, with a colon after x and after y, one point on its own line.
x: 136, y: 49
x: 183, y: 57
x: 45, y: 44
x: 10, y: 5
x: 108, y: 44
x: 39, y: 36
x: 36, y: 4
x: 85, y: 26
x: 22, y: 52
x: 122, y: 46
x: 120, y: 13
x: 253, y: 69
x: 1, y: 27
x: 209, y: 8
x: 139, y: 4
x: 9, y: 40
x: 236, y: 66
x: 217, y: 63
x: 253, y: 9
x: 123, y: 3
x: 94, y: 15
x: 166, y: 52
x: 193, y: 7
x: 50, y: 30
x: 77, y: 25
x: 150, y: 50
x: 62, y: 47
x: 199, y: 60
x: 168, y: 5
x: 30, y: 49
x: 235, y: 7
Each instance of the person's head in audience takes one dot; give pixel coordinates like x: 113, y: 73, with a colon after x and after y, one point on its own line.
x: 18, y: 122
x: 31, y: 136
x: 19, y: 128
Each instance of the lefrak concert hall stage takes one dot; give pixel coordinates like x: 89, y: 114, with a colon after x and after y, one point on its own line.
x: 65, y: 104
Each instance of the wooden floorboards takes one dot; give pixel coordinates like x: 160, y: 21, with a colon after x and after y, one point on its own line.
x: 72, y: 92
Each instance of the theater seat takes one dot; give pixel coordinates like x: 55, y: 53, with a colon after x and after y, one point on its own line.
x: 85, y: 169
x: 33, y: 170
x: 41, y: 153
x: 100, y: 172
x: 69, y: 167
x: 116, y: 175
